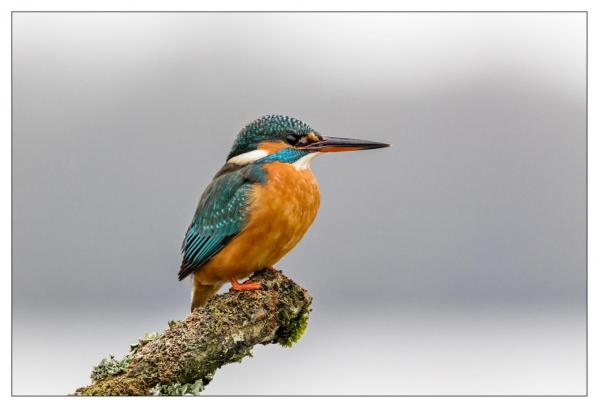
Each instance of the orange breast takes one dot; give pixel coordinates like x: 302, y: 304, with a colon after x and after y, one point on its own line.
x: 280, y: 213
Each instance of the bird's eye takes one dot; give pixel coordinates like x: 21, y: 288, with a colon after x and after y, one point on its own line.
x: 291, y: 139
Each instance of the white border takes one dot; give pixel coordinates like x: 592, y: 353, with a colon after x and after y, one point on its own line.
x: 177, y: 5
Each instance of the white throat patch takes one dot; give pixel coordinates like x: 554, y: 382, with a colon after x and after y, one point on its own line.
x: 304, y: 162
x: 248, y: 157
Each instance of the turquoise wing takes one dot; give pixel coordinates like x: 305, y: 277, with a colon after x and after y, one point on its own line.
x: 220, y: 216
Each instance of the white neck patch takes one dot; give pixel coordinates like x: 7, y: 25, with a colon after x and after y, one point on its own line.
x: 248, y: 157
x: 304, y: 162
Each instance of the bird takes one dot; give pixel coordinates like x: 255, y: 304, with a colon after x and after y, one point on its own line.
x: 258, y: 206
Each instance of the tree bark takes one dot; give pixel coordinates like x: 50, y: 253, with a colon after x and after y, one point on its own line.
x: 183, y: 359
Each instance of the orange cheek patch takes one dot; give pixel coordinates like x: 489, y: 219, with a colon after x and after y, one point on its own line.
x: 312, y: 138
x: 273, y: 146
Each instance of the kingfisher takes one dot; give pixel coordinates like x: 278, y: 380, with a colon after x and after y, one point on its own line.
x: 259, y: 204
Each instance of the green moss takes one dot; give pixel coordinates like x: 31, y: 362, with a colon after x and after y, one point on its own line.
x: 116, y: 385
x: 142, y: 341
x: 189, y: 370
x: 179, y: 389
x: 110, y: 366
x: 293, y: 328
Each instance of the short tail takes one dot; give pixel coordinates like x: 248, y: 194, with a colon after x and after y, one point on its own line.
x: 201, y: 294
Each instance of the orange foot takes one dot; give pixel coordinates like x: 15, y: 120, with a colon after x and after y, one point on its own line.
x: 247, y: 285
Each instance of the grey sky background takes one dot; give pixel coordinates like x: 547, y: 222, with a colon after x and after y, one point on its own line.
x: 452, y: 263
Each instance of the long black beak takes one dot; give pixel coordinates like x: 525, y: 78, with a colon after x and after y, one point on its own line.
x: 338, y: 144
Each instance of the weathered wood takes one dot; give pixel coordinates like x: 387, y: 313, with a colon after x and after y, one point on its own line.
x: 183, y: 359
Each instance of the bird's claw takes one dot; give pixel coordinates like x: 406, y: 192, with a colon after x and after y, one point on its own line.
x: 247, y: 285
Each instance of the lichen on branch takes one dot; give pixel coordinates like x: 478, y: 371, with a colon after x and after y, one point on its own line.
x: 183, y: 359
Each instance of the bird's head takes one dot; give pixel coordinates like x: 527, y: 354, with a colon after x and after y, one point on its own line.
x: 281, y: 138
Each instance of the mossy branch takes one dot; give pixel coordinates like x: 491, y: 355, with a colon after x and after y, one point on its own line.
x: 183, y: 359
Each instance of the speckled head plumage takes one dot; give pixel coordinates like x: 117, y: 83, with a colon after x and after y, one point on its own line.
x: 268, y: 128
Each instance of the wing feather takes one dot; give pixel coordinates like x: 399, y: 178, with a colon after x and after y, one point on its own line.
x: 220, y: 216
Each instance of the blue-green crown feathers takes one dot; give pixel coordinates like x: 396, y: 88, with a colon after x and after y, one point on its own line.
x: 269, y: 127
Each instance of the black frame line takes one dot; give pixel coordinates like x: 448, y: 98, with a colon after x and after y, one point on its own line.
x: 586, y: 394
